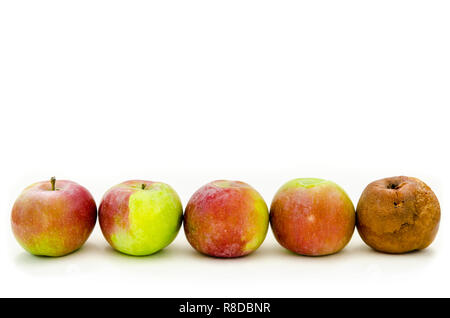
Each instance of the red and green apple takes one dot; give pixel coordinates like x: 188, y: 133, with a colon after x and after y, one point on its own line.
x: 139, y: 217
x: 53, y: 218
x: 226, y: 219
x: 312, y: 216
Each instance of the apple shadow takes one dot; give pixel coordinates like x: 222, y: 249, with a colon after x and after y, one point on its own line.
x: 171, y: 251
x: 194, y: 254
x: 355, y: 259
x: 358, y: 252
x: 51, y: 265
x: 26, y: 258
x: 363, y: 249
x: 279, y: 252
x: 392, y: 264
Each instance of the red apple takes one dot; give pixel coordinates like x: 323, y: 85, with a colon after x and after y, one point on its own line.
x: 53, y: 218
x: 312, y: 217
x: 226, y: 219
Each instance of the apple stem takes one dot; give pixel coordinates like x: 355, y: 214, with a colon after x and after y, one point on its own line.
x: 143, y: 186
x: 53, y: 182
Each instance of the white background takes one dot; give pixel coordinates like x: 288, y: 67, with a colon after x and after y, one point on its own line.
x: 186, y: 92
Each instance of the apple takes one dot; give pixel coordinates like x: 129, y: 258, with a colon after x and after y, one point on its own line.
x: 311, y: 216
x: 226, y: 219
x: 139, y: 217
x: 398, y: 215
x: 53, y: 218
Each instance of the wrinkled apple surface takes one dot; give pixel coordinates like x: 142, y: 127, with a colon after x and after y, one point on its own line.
x: 398, y: 215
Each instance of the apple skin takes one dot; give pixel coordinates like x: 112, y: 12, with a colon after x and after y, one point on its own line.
x: 138, y: 221
x: 312, y: 217
x: 398, y: 215
x: 53, y: 222
x: 226, y: 219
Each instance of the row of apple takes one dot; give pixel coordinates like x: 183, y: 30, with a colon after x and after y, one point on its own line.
x: 224, y: 218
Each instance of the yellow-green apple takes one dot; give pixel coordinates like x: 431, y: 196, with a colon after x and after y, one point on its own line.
x: 398, y: 215
x: 53, y: 218
x: 226, y: 219
x: 139, y: 217
x: 312, y: 216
